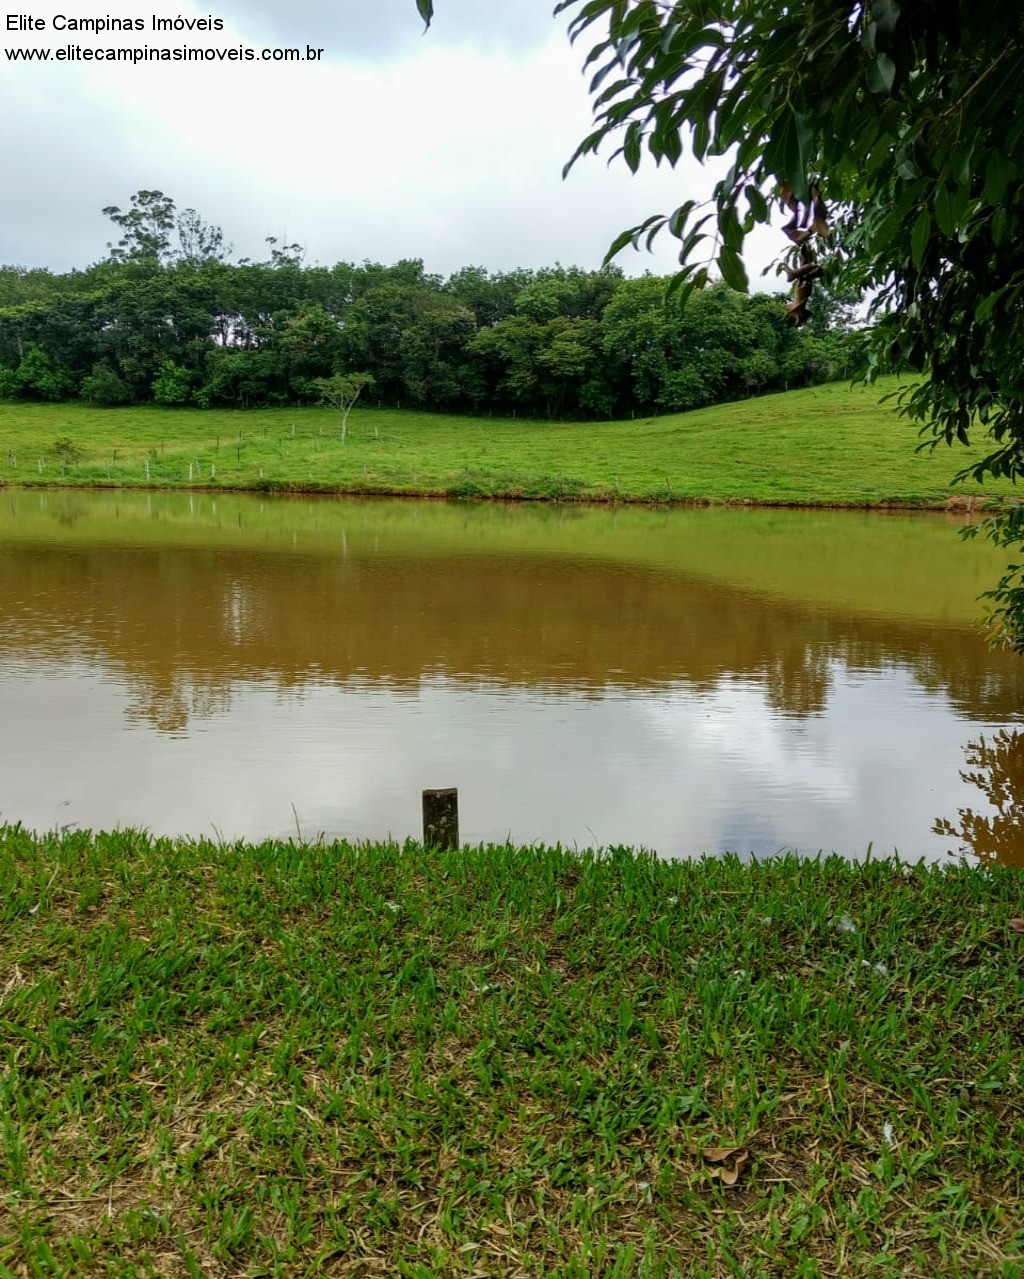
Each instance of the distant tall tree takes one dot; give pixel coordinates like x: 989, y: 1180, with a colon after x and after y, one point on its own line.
x: 148, y: 228
x: 285, y: 255
x: 198, y: 241
x: 145, y: 228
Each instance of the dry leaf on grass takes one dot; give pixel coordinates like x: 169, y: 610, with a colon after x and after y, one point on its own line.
x: 1017, y: 925
x: 729, y: 1161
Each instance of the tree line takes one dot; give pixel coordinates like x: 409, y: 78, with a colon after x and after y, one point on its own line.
x: 167, y: 317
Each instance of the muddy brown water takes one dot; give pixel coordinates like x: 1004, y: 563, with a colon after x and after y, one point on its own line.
x: 686, y: 681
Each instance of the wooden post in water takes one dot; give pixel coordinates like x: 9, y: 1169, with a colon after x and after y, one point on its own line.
x: 441, y: 818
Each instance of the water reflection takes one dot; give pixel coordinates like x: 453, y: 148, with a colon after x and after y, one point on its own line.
x: 184, y: 625
x: 685, y: 680
x: 996, y: 768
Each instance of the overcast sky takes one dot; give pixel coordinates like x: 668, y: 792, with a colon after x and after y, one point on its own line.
x: 447, y: 146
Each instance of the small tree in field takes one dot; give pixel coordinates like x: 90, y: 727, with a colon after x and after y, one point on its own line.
x: 341, y: 392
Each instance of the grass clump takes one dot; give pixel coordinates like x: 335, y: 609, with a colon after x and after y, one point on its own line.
x: 289, y: 1059
x: 66, y: 450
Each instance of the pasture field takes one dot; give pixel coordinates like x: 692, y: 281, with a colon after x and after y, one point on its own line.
x: 827, y: 445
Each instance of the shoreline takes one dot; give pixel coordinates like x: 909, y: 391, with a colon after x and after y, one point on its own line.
x: 954, y: 504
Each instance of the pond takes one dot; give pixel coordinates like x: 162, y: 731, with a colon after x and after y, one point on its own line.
x: 682, y: 680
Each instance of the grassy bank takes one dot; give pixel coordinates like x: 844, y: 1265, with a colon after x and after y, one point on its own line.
x: 294, y: 1060
x: 825, y: 445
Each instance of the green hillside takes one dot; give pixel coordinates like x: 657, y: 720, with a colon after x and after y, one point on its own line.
x: 828, y: 445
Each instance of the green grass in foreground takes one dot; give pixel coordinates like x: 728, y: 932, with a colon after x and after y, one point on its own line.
x: 331, y: 1060
x: 825, y: 445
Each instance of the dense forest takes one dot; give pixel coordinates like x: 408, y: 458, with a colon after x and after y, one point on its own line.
x: 166, y: 316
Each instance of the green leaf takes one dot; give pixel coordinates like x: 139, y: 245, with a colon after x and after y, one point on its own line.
x: 679, y: 280
x: 785, y: 155
x: 652, y: 226
x: 881, y: 74
x: 734, y: 273
x: 618, y: 244
x: 689, y: 244
x: 999, y: 226
x: 670, y: 145
x: 693, y: 237
x: 587, y: 15
x: 631, y: 146
x: 963, y: 162
x: 678, y: 220
x: 426, y: 10
x: 589, y: 144
x: 984, y: 309
x: 999, y: 173
x: 919, y: 237
x: 681, y: 289
x: 701, y: 137
x: 601, y: 75
x: 758, y: 204
x: 732, y: 232
x: 885, y: 13
x: 945, y: 211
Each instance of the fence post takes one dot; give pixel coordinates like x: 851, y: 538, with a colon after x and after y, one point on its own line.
x: 441, y: 818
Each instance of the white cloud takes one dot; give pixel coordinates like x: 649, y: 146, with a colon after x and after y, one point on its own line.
x: 394, y: 146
